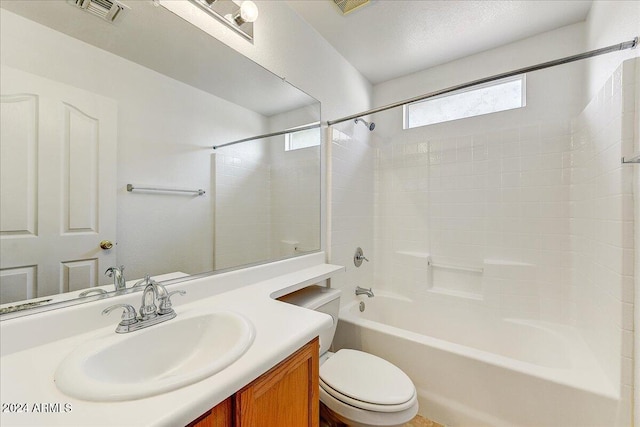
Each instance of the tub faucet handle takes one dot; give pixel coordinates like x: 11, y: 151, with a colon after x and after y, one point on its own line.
x: 358, y: 257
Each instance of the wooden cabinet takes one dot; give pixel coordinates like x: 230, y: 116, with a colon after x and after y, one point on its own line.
x: 220, y: 416
x: 285, y: 396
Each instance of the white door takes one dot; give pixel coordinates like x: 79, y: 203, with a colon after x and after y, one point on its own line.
x: 57, y: 186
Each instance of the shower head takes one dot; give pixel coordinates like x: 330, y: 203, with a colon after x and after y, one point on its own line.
x: 371, y: 125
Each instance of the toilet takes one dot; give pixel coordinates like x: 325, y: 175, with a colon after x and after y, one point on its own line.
x: 356, y: 388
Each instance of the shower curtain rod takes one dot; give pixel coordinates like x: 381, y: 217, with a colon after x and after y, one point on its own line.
x: 268, y: 135
x: 613, y: 48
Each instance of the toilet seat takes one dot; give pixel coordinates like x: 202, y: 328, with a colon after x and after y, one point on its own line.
x: 356, y: 417
x: 367, y: 406
x: 367, y: 382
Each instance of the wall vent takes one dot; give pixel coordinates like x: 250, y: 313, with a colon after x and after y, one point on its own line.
x: 106, y: 9
x: 347, y: 6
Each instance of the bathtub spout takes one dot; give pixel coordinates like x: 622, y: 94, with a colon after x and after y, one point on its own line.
x: 363, y: 291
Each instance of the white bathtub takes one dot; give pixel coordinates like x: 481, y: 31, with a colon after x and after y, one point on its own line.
x: 472, y: 368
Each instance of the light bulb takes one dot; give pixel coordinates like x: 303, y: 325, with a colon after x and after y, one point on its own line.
x: 248, y: 11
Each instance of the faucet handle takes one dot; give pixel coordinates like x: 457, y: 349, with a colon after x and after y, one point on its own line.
x: 358, y: 257
x: 165, y: 302
x: 128, y: 316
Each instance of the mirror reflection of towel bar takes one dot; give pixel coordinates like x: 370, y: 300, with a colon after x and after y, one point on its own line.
x: 634, y: 158
x: 199, y: 192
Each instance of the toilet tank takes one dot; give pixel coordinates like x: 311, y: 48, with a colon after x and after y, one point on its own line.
x: 322, y: 299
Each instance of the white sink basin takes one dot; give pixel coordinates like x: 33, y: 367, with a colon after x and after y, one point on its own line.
x: 156, y: 359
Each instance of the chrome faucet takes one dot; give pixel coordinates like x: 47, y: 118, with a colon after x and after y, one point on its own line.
x: 118, y: 277
x: 118, y: 282
x: 363, y: 291
x: 150, y: 313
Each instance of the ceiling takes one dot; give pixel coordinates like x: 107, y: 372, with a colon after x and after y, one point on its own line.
x: 391, y: 38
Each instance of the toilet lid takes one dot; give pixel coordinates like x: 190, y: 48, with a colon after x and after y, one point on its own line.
x: 366, y: 378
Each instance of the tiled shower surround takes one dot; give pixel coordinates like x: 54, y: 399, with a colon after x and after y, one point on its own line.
x: 536, y: 219
x: 266, y: 207
x: 602, y: 214
x: 496, y: 201
x: 242, y: 229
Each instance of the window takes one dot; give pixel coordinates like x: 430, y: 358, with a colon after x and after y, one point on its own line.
x: 301, y: 139
x: 501, y: 95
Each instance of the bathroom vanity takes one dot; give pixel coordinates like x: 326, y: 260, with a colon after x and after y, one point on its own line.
x: 277, y: 376
x: 287, y: 395
x: 62, y: 363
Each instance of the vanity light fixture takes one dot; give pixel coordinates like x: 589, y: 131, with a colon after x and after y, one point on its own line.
x: 248, y: 13
x: 239, y: 15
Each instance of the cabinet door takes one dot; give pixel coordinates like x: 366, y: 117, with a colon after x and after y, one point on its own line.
x: 286, y: 396
x: 219, y: 416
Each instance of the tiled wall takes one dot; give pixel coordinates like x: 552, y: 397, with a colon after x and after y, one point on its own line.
x: 539, y: 214
x: 295, y: 200
x: 602, y: 224
x: 267, y: 202
x: 496, y: 200
x: 352, y: 205
x: 242, y: 204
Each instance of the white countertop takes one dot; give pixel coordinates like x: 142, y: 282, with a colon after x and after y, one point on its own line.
x: 26, y: 375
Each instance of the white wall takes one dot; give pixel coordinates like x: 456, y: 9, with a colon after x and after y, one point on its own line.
x: 609, y: 22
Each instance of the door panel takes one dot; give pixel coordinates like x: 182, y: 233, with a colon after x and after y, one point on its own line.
x: 18, y: 165
x: 80, y: 171
x: 18, y: 283
x: 78, y: 275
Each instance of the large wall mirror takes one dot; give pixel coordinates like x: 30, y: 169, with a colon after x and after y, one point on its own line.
x: 91, y: 109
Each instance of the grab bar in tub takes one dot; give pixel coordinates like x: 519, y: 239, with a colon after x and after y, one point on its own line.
x: 199, y: 192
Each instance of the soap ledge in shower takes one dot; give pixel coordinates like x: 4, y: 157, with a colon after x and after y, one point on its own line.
x: 507, y: 262
x: 455, y: 293
x: 415, y: 254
